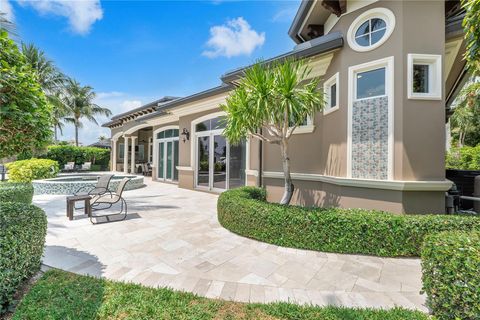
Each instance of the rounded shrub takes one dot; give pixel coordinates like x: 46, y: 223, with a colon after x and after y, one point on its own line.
x: 451, y: 274
x: 16, y: 192
x: 246, y: 212
x: 22, y: 236
x: 32, y: 169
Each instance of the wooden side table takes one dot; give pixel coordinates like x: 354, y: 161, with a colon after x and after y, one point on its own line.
x: 71, y: 205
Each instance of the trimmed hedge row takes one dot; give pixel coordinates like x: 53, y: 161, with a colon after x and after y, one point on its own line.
x: 451, y: 274
x: 16, y: 192
x: 245, y: 212
x: 66, y: 153
x: 32, y: 169
x: 22, y: 236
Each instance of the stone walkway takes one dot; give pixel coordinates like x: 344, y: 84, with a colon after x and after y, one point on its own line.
x: 172, y: 238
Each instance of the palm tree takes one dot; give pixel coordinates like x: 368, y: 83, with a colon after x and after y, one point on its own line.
x: 79, y: 101
x: 52, y: 81
x: 6, y: 24
x: 275, y: 98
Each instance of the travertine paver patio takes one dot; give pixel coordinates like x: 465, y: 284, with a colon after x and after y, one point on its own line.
x: 172, y: 238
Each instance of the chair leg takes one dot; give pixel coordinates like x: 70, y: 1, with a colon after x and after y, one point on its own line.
x: 107, y: 216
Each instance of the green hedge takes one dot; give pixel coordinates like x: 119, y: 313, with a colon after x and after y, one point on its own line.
x: 451, y: 274
x: 245, y: 212
x: 22, y: 236
x: 465, y: 158
x: 66, y: 153
x: 16, y: 192
x: 32, y: 169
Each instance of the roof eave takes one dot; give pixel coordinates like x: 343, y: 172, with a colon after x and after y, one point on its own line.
x: 300, y: 16
x: 327, y: 43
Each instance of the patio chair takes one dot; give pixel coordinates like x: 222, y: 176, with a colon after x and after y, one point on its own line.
x: 86, y: 166
x: 148, y: 169
x: 110, y: 200
x: 70, y: 166
x: 99, y: 189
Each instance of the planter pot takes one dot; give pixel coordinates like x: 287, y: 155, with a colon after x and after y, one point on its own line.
x: 465, y: 182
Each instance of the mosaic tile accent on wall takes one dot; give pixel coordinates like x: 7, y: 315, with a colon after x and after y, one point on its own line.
x: 370, y: 139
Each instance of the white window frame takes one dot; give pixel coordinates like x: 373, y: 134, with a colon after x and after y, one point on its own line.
x: 388, y: 64
x: 434, y: 61
x: 307, y: 128
x: 379, y: 13
x: 333, y: 80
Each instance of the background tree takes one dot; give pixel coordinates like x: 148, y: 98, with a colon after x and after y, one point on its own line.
x: 6, y: 25
x: 472, y: 34
x: 25, y: 115
x: 269, y: 103
x: 79, y: 101
x: 52, y: 81
x: 465, y: 119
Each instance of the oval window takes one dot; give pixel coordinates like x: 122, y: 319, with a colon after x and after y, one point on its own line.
x: 371, y: 29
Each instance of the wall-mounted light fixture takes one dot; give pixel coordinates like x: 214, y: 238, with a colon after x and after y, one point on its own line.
x: 185, y: 134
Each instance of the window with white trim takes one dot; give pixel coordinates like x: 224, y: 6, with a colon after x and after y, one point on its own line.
x: 424, y: 76
x: 330, y: 90
x: 371, y: 29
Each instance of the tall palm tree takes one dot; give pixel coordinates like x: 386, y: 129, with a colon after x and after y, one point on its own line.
x: 79, y: 101
x: 52, y: 81
x: 6, y: 24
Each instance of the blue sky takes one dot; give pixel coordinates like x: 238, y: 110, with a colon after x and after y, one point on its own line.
x: 133, y: 52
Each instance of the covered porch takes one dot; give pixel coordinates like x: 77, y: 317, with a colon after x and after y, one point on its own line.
x: 132, y: 150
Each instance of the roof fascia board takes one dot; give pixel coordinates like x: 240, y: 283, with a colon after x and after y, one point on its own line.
x: 300, y: 17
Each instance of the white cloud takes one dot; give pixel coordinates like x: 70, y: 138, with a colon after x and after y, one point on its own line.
x: 6, y: 7
x: 131, y: 104
x: 234, y: 38
x: 111, y: 94
x: 81, y: 14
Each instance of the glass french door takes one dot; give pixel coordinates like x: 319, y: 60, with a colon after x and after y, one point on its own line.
x: 219, y: 165
x: 168, y: 160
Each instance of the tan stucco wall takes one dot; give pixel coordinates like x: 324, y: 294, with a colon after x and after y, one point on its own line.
x: 419, y: 131
x: 309, y: 193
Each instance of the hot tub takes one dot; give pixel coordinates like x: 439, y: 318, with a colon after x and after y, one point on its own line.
x: 69, y: 184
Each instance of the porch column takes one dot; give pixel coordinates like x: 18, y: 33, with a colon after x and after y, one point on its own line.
x: 133, y: 167
x: 114, y: 155
x: 125, y: 154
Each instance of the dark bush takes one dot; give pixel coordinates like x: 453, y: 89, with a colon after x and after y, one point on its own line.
x: 451, y: 274
x: 16, y: 192
x: 22, y: 236
x: 245, y: 211
x: 66, y: 153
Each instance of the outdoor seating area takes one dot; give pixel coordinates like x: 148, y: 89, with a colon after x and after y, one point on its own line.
x: 99, y: 197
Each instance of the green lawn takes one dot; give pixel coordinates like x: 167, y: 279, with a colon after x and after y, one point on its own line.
x: 63, y: 295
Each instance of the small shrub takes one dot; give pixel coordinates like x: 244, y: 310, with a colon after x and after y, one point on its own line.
x: 66, y: 153
x: 16, y: 192
x: 245, y: 211
x: 22, y: 236
x: 451, y: 274
x: 32, y: 169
